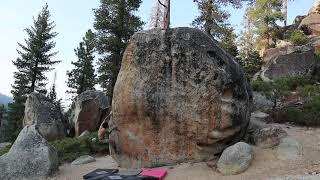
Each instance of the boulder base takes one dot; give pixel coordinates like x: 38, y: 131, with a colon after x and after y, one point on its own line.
x: 178, y: 97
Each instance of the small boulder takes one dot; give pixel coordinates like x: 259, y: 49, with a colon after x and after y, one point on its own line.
x: 289, y: 149
x: 261, y: 102
x: 47, y: 118
x: 30, y: 157
x: 268, y: 137
x: 83, y: 160
x: 89, y: 110
x: 235, y: 159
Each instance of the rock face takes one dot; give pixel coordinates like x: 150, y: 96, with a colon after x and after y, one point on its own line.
x: 313, y: 22
x: 235, y: 159
x: 285, y: 62
x: 30, y: 157
x: 45, y: 115
x: 178, y: 97
x: 90, y: 108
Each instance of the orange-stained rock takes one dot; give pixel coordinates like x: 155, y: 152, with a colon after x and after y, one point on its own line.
x: 178, y: 97
x: 89, y: 110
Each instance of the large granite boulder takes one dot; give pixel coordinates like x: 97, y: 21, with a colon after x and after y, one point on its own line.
x: 89, y: 110
x: 178, y: 97
x: 30, y: 157
x: 286, y: 62
x: 313, y: 22
x: 39, y: 110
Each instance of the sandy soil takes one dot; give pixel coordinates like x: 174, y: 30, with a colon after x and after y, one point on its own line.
x: 265, y: 164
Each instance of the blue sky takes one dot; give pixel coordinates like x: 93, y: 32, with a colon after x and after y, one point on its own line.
x: 73, y: 18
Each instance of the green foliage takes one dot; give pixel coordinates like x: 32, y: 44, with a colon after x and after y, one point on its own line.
x: 71, y: 148
x: 229, y: 42
x: 264, y: 15
x: 306, y: 115
x: 279, y: 88
x: 115, y: 22
x: 83, y: 76
x: 213, y: 19
x: 298, y: 38
x: 252, y: 63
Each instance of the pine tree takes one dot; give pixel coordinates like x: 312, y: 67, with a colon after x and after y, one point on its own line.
x: 265, y: 15
x: 229, y: 42
x: 213, y: 19
x: 246, y: 39
x: 115, y: 23
x: 83, y: 77
x: 156, y: 18
x: 52, y: 95
x: 34, y: 61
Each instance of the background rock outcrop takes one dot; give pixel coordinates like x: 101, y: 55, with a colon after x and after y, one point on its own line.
x: 287, y: 61
x: 179, y: 97
x: 30, y: 157
x: 89, y: 110
x: 39, y: 110
x: 313, y: 22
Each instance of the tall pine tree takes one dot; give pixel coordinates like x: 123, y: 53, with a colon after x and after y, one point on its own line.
x: 83, y: 77
x: 115, y: 23
x: 265, y: 14
x: 213, y: 19
x: 35, y: 59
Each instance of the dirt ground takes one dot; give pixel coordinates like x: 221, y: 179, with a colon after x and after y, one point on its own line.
x: 265, y: 164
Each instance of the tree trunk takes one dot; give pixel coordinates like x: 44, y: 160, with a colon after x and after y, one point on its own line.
x: 34, y: 77
x: 285, y: 12
x: 209, y: 21
x: 166, y: 17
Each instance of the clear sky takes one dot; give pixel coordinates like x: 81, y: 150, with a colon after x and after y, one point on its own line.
x: 73, y: 18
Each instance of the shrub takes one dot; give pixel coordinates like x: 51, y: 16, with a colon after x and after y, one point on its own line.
x: 252, y: 63
x: 298, y: 38
x: 71, y: 148
x: 306, y: 115
x: 282, y: 87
